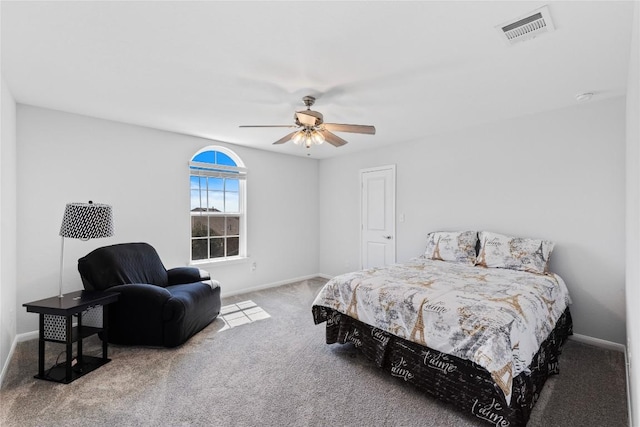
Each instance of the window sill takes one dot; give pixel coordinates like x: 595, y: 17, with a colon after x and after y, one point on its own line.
x: 219, y: 262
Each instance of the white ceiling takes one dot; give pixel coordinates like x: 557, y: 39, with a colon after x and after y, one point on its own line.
x: 410, y: 68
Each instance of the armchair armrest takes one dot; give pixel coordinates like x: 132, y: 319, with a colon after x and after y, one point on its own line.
x: 181, y: 275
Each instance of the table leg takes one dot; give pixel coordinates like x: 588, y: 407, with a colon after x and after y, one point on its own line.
x: 105, y: 331
x: 41, y: 344
x: 79, y: 342
x: 69, y: 343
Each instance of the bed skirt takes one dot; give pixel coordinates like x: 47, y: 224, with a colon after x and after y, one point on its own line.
x: 462, y: 383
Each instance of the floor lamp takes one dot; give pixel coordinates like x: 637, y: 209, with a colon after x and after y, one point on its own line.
x: 84, y: 221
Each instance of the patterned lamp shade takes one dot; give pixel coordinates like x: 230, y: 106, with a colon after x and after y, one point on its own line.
x: 87, y: 221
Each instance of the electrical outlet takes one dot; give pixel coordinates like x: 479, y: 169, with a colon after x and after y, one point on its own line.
x: 253, y: 266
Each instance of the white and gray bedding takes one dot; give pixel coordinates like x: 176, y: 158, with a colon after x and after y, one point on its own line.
x: 494, y: 317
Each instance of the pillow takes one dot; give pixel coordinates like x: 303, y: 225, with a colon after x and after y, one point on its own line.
x: 456, y: 246
x: 514, y: 253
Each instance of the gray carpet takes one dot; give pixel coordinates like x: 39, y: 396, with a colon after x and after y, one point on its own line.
x: 279, y: 372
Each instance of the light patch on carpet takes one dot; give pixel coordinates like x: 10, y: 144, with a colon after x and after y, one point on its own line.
x: 241, y: 313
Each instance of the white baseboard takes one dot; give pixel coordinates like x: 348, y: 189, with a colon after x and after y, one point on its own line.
x: 27, y: 336
x: 5, y: 367
x: 268, y: 285
x: 627, y: 364
x: 597, y: 342
x: 18, y: 338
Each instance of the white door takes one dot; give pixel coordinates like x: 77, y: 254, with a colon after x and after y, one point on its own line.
x: 378, y: 216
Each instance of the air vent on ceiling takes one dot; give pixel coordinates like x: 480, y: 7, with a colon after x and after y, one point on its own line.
x: 527, y: 27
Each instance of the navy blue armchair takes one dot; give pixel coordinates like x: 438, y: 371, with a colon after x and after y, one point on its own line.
x: 156, y: 307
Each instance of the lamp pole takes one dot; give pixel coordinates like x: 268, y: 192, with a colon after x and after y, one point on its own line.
x: 61, y: 264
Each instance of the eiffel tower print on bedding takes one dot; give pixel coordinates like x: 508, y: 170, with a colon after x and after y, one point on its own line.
x: 500, y: 326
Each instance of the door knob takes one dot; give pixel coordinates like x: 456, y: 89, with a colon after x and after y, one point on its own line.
x: 388, y: 237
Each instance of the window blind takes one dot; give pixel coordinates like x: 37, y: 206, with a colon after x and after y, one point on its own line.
x: 217, y: 171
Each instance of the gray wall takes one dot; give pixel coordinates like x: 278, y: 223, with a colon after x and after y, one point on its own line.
x: 558, y: 175
x: 143, y: 173
x: 8, y: 283
x: 633, y: 217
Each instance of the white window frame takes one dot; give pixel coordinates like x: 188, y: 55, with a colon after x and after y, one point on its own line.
x: 222, y: 171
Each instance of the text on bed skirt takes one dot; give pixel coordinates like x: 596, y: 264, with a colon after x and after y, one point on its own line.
x: 380, y: 336
x: 399, y: 370
x: 490, y: 412
x: 438, y: 362
x: 354, y: 337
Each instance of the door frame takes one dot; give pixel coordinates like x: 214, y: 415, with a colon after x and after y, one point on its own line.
x: 391, y: 167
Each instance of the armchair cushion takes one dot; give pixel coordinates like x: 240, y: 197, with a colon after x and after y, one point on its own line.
x: 122, y: 264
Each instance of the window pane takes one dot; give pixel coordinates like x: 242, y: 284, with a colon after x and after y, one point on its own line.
x: 217, y: 247
x: 216, y: 184
x: 231, y: 201
x: 216, y: 201
x: 217, y: 225
x: 223, y: 159
x: 198, y: 197
x: 233, y: 246
x: 199, y: 226
x: 195, y: 182
x: 199, y: 249
x: 195, y: 200
x: 232, y: 185
x: 233, y: 225
x: 205, y: 157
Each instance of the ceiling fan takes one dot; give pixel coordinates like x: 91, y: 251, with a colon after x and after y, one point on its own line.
x: 312, y: 130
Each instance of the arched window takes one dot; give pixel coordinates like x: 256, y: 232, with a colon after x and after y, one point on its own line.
x: 217, y: 179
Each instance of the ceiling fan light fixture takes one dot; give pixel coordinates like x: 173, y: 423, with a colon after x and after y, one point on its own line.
x: 317, y: 137
x: 298, y: 137
x: 308, y: 137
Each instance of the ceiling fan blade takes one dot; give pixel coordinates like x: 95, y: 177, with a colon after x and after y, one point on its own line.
x: 267, y: 126
x: 332, y: 139
x: 285, y: 138
x: 337, y: 127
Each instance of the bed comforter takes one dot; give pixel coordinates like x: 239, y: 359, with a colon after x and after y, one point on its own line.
x: 496, y: 318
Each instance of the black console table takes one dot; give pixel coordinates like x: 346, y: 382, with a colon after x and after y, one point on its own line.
x: 56, y: 325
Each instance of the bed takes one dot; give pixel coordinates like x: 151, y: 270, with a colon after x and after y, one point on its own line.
x: 477, y: 321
